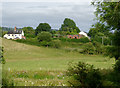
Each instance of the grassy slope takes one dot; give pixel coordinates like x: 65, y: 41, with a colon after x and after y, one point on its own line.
x: 27, y: 57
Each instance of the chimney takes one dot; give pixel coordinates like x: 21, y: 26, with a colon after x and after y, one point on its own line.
x: 15, y: 29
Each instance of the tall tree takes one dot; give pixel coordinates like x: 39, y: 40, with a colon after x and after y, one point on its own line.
x: 29, y: 31
x: 99, y: 27
x: 109, y: 13
x: 42, y: 27
x: 69, y: 25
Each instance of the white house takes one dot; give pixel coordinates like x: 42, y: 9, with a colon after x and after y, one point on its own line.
x: 83, y: 33
x: 14, y: 34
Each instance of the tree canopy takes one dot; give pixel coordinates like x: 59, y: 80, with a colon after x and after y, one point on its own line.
x: 42, y: 27
x: 109, y: 13
x: 44, y: 36
x: 99, y: 28
x: 29, y: 31
x: 69, y: 25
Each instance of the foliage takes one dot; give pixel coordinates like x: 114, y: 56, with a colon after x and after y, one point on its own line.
x: 93, y: 48
x: 99, y: 48
x: 82, y: 40
x: 29, y: 32
x: 44, y: 36
x: 56, y: 43
x: 99, y: 28
x: 7, y: 28
x: 114, y: 75
x: 30, y: 41
x: 101, y: 39
x: 69, y: 25
x: 2, y: 60
x: 109, y: 13
x: 92, y: 32
x: 7, y: 81
x: 42, y: 27
x: 53, y: 32
x: 88, y: 49
x: 45, y: 43
x: 3, y: 33
x: 117, y: 66
x: 84, y: 75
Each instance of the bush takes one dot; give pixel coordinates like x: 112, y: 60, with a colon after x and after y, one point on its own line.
x: 53, y: 44
x: 44, y: 36
x: 56, y: 44
x: 2, y: 60
x: 30, y: 41
x: 114, y: 76
x: 7, y: 80
x: 99, y: 48
x: 45, y: 43
x: 88, y: 48
x: 84, y: 75
x: 117, y: 66
x: 82, y: 40
x: 112, y: 51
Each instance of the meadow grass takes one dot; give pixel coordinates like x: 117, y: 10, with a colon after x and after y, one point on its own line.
x: 22, y: 57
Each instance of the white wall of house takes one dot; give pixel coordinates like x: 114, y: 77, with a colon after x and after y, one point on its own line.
x: 13, y: 36
x: 22, y: 33
x: 83, y: 33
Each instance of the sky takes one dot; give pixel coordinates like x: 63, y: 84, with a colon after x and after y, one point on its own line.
x: 31, y: 13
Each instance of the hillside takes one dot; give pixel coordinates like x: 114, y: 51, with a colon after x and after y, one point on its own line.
x: 27, y: 57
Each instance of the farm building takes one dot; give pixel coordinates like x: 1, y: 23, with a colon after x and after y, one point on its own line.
x: 81, y: 34
x: 14, y: 34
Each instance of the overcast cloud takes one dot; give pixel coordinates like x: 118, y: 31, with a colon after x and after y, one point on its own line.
x: 21, y: 14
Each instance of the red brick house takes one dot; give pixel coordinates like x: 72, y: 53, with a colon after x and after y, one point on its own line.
x: 81, y: 34
x: 74, y: 36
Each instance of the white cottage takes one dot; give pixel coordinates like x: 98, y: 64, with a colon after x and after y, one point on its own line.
x: 15, y: 34
x: 84, y: 34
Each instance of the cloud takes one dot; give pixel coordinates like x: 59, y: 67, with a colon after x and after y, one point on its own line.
x: 46, y: 0
x: 31, y: 13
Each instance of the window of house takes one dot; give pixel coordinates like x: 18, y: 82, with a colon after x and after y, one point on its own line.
x: 8, y: 35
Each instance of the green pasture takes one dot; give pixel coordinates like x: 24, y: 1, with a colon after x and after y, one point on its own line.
x: 29, y: 65
x: 27, y: 57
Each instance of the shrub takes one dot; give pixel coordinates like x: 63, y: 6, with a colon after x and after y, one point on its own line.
x: 117, y: 66
x: 56, y: 44
x: 45, y: 43
x: 84, y: 75
x: 88, y: 48
x: 2, y: 60
x: 113, y: 51
x: 7, y: 80
x: 99, y: 48
x: 114, y: 76
x: 84, y: 40
x: 44, y: 36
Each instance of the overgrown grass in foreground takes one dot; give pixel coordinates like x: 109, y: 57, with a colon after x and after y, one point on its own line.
x: 36, y: 78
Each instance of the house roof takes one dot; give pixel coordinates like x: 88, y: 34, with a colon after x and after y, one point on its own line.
x: 14, y: 32
x: 83, y: 33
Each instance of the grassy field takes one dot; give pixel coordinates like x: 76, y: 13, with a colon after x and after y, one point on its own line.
x: 21, y: 57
